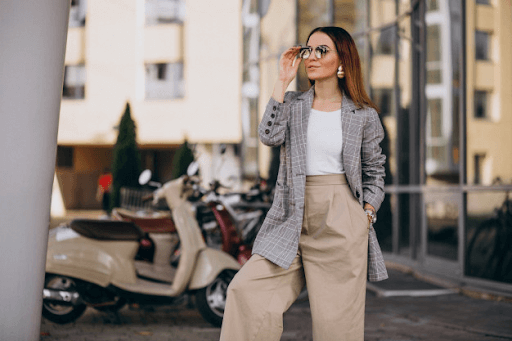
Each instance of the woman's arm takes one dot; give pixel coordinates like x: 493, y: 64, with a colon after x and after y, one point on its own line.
x: 372, y: 161
x: 273, y: 125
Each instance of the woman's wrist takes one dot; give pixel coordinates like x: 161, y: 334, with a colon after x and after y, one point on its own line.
x: 279, y: 91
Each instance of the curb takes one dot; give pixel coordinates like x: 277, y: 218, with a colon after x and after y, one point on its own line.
x: 450, y: 286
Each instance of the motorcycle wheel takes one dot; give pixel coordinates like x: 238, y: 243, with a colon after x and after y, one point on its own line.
x: 211, y: 300
x: 61, y: 313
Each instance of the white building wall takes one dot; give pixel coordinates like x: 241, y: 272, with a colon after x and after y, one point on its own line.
x: 115, y: 44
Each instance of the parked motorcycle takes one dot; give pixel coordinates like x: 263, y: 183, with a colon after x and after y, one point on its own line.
x: 92, y: 263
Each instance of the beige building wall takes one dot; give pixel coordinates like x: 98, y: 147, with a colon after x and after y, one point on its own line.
x: 490, y: 136
x: 278, y: 33
x: 115, y: 44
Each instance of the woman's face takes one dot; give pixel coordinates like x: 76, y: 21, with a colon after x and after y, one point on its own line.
x: 325, y: 67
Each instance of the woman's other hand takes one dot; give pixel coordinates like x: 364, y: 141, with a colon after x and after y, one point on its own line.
x: 288, y: 66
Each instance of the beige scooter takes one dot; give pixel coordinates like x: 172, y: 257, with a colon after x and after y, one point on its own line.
x: 92, y: 263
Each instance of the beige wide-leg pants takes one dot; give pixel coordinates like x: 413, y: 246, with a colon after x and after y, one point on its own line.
x: 332, y: 260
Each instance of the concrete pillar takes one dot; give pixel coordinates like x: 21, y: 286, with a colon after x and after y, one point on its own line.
x: 32, y: 47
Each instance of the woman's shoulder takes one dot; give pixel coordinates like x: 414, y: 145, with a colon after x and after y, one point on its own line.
x: 369, y: 112
x: 292, y: 95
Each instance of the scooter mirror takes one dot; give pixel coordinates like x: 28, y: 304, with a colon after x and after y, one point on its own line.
x: 193, y: 168
x: 145, y: 176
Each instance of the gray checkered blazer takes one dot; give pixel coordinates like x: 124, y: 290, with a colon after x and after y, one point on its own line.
x: 285, y: 124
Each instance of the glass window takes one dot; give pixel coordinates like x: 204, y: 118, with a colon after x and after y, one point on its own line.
x: 478, y: 160
x: 442, y: 213
x: 432, y: 5
x: 386, y: 41
x: 481, y: 104
x: 164, y: 11
x: 434, y: 64
x: 488, y: 224
x: 483, y: 2
x: 384, y: 225
x: 77, y: 13
x: 74, y: 82
x: 435, y: 117
x: 164, y: 81
x: 482, y: 45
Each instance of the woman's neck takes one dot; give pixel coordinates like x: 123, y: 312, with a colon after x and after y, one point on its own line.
x: 328, y: 95
x: 327, y: 91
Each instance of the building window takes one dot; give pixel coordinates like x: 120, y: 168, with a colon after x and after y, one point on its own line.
x: 64, y: 157
x: 434, y: 64
x: 432, y: 5
x: 74, y: 82
x: 386, y: 42
x: 479, y: 166
x: 483, y: 2
x: 164, y: 81
x: 435, y: 114
x: 482, y: 45
x: 77, y: 13
x: 164, y: 11
x: 383, y: 97
x: 481, y: 104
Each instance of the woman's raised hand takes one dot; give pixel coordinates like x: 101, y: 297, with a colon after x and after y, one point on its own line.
x: 288, y: 66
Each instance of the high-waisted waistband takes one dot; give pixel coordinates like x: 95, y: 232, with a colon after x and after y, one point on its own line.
x: 328, y: 179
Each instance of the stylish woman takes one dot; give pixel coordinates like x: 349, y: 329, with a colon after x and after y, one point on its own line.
x: 329, y: 187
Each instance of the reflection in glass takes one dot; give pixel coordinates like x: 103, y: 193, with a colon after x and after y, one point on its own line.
x: 405, y: 227
x: 481, y: 104
x: 442, y: 213
x: 482, y: 45
x: 442, y: 92
x: 384, y: 226
x: 489, y: 236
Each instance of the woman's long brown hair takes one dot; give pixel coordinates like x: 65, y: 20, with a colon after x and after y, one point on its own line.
x: 352, y: 84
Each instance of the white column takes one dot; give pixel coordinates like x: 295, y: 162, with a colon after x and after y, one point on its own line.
x: 32, y: 47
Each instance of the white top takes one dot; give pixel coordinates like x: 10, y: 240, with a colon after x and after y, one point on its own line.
x: 324, y: 143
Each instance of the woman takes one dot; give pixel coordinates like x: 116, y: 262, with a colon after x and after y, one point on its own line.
x: 316, y: 232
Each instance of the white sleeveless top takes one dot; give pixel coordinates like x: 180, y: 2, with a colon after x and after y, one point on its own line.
x: 324, y: 143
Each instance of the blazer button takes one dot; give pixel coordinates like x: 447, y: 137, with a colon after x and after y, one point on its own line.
x: 358, y: 194
x: 267, y: 131
x: 272, y: 115
x: 269, y: 123
x: 275, y: 108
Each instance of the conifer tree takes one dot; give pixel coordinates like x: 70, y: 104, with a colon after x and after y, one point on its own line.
x: 183, y: 157
x: 126, y: 163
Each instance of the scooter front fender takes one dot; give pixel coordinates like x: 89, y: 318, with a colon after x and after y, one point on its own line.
x: 210, y: 263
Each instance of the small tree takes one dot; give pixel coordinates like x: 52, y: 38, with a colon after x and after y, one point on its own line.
x: 183, y: 157
x: 126, y: 163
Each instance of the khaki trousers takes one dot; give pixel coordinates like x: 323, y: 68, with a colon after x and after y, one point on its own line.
x: 331, y: 260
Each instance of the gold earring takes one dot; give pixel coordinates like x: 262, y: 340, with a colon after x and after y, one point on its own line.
x: 340, y: 72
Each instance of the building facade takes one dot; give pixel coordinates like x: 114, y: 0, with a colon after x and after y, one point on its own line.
x: 179, y: 65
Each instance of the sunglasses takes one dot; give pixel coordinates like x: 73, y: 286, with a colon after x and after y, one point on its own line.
x: 320, y: 51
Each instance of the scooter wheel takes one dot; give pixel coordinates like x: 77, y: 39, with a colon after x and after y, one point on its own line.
x: 211, y: 300
x: 61, y: 313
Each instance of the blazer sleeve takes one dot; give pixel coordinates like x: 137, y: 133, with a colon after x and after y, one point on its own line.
x: 372, y: 160
x: 273, y: 125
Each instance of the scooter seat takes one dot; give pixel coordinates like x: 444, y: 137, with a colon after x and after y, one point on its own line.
x: 107, y: 229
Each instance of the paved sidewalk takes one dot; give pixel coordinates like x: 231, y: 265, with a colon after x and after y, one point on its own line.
x: 448, y: 317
